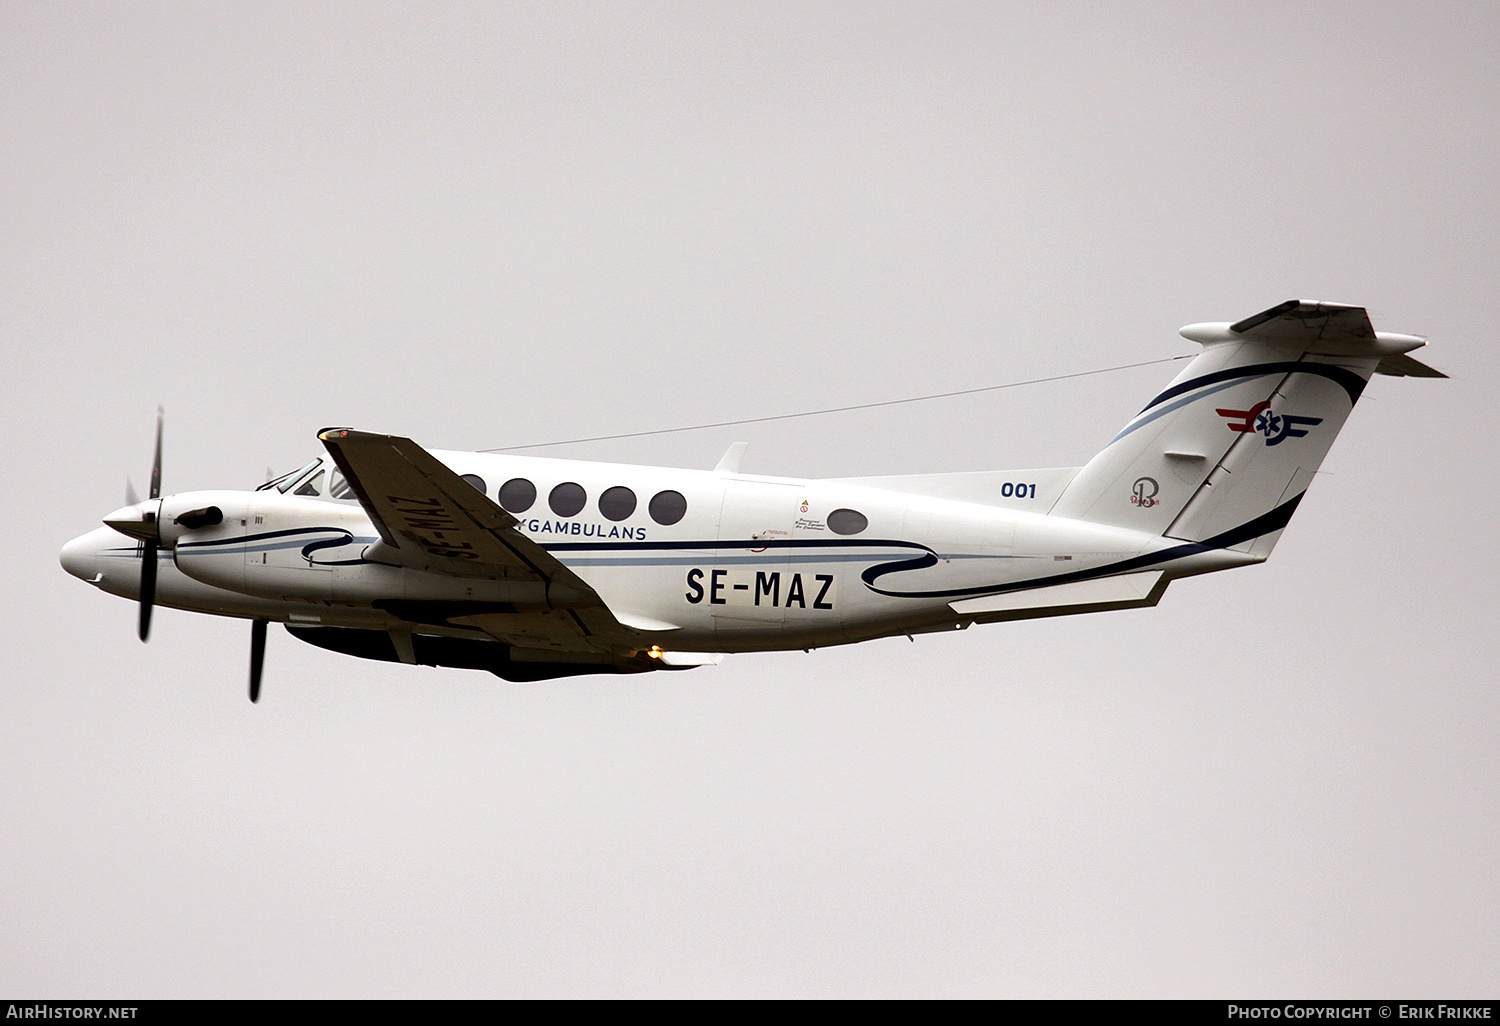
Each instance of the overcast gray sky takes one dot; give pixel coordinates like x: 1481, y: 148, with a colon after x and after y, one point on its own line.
x: 492, y: 224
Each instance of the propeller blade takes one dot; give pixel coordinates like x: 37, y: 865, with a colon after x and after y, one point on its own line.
x: 148, y: 587
x: 131, y: 499
x: 257, y: 656
x: 156, y: 461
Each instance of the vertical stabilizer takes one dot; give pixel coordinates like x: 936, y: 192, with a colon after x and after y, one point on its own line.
x: 1232, y: 443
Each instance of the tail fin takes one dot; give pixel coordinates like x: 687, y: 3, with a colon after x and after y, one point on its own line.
x: 1224, y: 454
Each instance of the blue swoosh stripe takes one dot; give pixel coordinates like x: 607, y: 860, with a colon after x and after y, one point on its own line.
x: 1275, y: 520
x: 1351, y: 382
x: 1142, y: 420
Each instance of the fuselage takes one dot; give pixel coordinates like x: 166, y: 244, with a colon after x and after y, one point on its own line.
x: 706, y: 561
x: 535, y: 568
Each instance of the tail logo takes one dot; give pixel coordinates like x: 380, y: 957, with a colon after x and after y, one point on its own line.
x: 1143, y: 492
x: 1262, y: 420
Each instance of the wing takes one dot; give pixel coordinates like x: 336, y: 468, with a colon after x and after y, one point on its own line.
x: 432, y: 520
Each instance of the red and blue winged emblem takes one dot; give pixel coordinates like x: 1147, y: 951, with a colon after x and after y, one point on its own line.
x: 1262, y: 420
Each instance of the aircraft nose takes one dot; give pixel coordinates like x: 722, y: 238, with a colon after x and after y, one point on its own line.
x: 80, y: 557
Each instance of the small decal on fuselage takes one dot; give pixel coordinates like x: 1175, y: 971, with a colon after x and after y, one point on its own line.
x: 773, y: 589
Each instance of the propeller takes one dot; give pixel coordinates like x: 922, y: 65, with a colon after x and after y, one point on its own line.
x: 139, y: 520
x: 257, y: 656
x: 149, y: 543
x: 142, y: 521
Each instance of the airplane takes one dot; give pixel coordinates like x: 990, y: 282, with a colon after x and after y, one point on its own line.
x: 538, y: 568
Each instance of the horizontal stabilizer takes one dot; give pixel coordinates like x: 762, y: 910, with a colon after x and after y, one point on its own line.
x: 1323, y: 329
x: 1128, y: 591
x: 1399, y: 365
x: 1305, y: 324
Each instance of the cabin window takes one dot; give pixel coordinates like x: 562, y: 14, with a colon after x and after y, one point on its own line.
x: 313, y: 485
x: 517, y: 495
x: 847, y: 521
x: 667, y: 507
x: 567, y: 499
x: 476, y: 481
x: 617, y: 503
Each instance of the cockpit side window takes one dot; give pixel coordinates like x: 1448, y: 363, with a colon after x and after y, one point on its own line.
x: 338, y: 488
x: 285, y: 481
x: 312, y: 486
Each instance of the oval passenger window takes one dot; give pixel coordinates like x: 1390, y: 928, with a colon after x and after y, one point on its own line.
x: 517, y: 495
x: 847, y: 521
x: 476, y: 481
x: 667, y: 507
x: 567, y: 499
x: 617, y: 503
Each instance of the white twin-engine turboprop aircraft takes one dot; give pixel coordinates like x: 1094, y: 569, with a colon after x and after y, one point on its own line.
x: 536, y: 568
